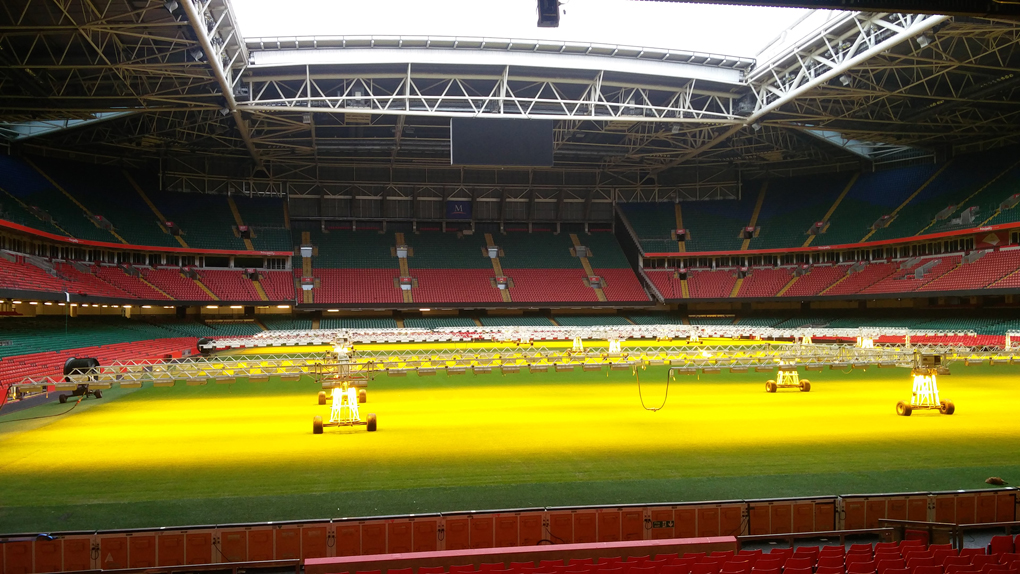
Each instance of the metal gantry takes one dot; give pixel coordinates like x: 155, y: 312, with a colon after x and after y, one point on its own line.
x: 685, y: 359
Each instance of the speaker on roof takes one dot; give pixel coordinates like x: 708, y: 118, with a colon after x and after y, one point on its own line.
x: 548, y: 13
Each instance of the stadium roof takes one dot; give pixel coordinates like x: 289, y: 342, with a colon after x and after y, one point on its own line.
x: 185, y: 83
x: 706, y: 28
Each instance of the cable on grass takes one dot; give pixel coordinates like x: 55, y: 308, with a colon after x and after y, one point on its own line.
x: 669, y: 375
x: 47, y: 416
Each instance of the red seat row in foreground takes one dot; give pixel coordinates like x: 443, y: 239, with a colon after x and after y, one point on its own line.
x: 907, y: 557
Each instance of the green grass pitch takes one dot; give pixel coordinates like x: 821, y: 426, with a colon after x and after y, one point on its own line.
x: 245, y: 452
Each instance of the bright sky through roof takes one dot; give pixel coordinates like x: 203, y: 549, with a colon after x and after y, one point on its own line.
x: 729, y: 30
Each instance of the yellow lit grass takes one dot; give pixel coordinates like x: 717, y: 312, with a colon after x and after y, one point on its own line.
x: 254, y: 439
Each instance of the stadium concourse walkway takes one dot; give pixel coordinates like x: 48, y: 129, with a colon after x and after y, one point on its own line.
x: 987, y: 269
x: 965, y: 192
x: 357, y: 267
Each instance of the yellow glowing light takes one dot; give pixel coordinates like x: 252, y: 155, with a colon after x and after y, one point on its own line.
x: 283, y: 306
x: 212, y: 307
x: 237, y: 307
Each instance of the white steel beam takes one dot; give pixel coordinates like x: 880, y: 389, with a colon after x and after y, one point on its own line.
x: 213, y: 54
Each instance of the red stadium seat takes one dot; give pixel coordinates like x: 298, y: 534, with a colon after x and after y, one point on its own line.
x: 1009, y: 557
x: 736, y: 567
x: 799, y: 562
x: 695, y: 555
x: 759, y: 570
x: 788, y: 570
x: 941, y: 553
x: 828, y: 560
x: 830, y: 569
x: 462, y: 569
x: 1001, y: 544
x: 925, y: 569
x: 914, y: 561
x: 972, y: 552
x: 890, y: 564
x: 811, y: 551
x: 767, y: 561
x: 861, y: 568
x: 863, y: 548
x: 726, y: 554
x: 706, y: 567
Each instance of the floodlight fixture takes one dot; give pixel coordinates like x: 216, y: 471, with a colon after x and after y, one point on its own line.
x: 224, y: 111
x: 196, y: 53
x: 756, y: 126
x: 924, y: 39
x: 844, y: 79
